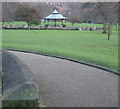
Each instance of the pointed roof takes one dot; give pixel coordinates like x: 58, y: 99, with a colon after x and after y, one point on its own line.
x: 55, y: 16
x: 55, y: 12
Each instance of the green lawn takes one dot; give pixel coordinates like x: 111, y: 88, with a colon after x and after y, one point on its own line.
x: 17, y: 23
x: 85, y: 46
x: 68, y: 24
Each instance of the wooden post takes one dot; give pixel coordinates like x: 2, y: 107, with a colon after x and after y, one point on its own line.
x: 55, y: 22
x: 65, y: 22
x: 48, y: 22
x: 45, y: 21
x: 62, y: 23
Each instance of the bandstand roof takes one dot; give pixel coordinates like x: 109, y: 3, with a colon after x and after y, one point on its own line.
x: 55, y: 16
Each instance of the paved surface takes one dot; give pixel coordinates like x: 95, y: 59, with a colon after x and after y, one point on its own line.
x: 0, y: 78
x: 64, y: 83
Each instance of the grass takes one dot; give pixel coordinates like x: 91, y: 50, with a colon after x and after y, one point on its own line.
x: 17, y: 23
x: 68, y: 24
x: 90, y: 47
x: 58, y: 23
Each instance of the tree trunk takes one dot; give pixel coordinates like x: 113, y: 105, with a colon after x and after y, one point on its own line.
x: 105, y: 25
x: 28, y: 26
x: 108, y: 36
x: 109, y: 31
x: 116, y: 27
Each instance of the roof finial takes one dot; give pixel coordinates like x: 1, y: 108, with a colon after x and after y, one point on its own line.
x: 55, y: 8
x: 55, y: 11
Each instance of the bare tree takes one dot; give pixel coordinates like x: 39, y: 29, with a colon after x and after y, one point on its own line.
x: 8, y: 10
x: 109, y: 13
x: 101, y: 8
x: 74, y: 20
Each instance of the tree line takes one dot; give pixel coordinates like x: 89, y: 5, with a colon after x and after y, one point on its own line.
x: 95, y: 12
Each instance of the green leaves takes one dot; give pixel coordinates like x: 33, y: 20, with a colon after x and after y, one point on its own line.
x: 35, y: 22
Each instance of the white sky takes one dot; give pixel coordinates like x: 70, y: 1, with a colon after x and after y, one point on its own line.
x: 59, y: 0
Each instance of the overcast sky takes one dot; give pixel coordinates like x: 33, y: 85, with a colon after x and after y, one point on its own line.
x: 59, y: 0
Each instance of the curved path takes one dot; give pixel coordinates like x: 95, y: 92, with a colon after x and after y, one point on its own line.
x: 65, y: 83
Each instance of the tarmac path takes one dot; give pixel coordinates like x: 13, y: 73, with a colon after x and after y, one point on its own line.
x: 64, y: 83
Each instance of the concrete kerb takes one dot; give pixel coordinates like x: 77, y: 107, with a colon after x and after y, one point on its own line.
x: 19, y: 86
x: 44, y: 54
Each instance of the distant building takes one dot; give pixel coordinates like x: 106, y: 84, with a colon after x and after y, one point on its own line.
x: 55, y: 16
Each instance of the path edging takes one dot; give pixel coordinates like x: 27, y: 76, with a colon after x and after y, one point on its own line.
x: 72, y: 60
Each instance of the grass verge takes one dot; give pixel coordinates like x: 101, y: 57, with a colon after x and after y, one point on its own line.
x: 85, y: 46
